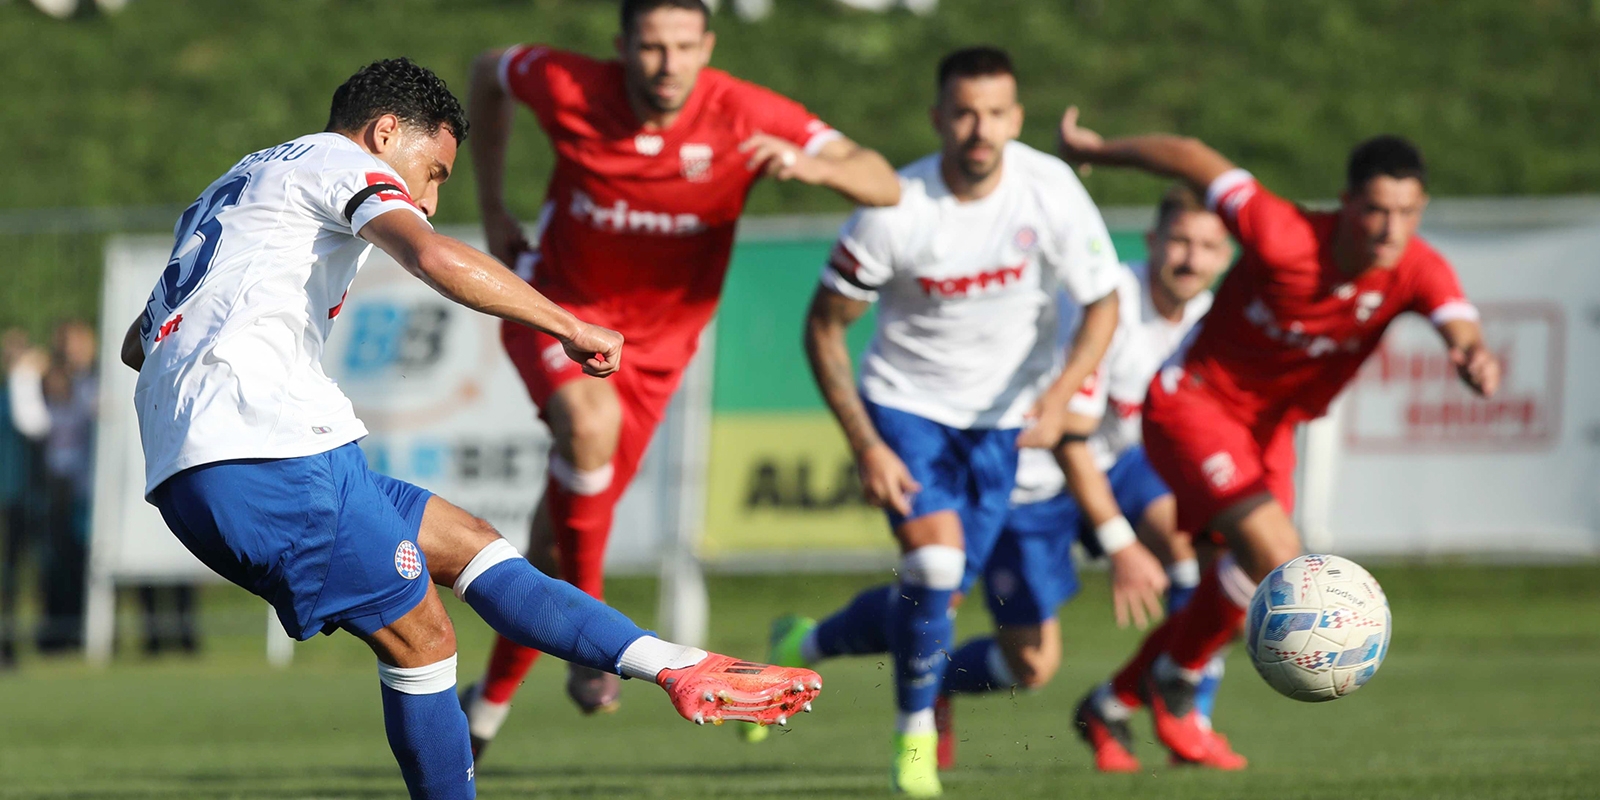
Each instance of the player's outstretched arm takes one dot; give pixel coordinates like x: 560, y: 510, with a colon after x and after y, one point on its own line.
x: 884, y: 477
x: 489, y: 113
x: 1137, y: 577
x: 1181, y: 157
x: 471, y: 278
x: 1049, y: 415
x: 858, y: 173
x: 1478, y: 368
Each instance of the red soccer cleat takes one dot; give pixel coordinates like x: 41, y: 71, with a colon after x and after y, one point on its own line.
x: 1220, y: 755
x: 1177, y: 723
x: 721, y: 688
x: 945, y: 724
x: 1111, y: 742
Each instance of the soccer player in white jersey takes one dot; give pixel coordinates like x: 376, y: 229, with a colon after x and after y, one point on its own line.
x: 1109, y: 490
x: 250, y: 450
x: 966, y: 269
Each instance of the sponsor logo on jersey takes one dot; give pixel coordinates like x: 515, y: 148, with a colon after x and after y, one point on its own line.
x: 967, y: 284
x: 1219, y: 470
x: 647, y: 144
x: 1366, y: 304
x: 169, y: 327
x: 696, y: 160
x: 407, y: 561
x: 620, y: 218
x: 1259, y: 315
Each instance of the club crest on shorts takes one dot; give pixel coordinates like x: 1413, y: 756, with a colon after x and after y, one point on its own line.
x: 407, y: 561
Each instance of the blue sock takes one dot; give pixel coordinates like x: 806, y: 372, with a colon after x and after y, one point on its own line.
x: 1178, y: 597
x: 921, y: 630
x: 970, y: 670
x: 428, y: 734
x: 859, y: 628
x: 534, y: 610
x: 1205, y: 696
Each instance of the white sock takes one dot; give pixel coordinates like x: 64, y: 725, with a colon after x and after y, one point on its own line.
x: 1165, y: 668
x: 1184, y: 574
x: 647, y: 656
x: 915, y: 723
x: 809, y: 651
x: 484, y: 718
x: 1106, y: 702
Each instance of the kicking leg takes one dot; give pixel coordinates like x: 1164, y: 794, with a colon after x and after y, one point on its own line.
x: 921, y: 633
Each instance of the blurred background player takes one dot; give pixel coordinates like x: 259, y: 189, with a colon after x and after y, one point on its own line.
x: 655, y: 154
x: 1109, y: 490
x: 1031, y: 572
x: 967, y: 266
x: 1292, y: 322
x: 250, y: 449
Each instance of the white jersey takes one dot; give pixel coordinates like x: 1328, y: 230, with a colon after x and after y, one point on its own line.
x: 234, y: 330
x: 966, y: 331
x: 1115, y: 392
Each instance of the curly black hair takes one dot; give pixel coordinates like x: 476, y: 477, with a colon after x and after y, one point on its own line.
x: 401, y: 87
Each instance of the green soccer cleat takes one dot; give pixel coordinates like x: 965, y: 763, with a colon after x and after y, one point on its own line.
x: 783, y: 649
x: 783, y: 644
x: 916, y: 765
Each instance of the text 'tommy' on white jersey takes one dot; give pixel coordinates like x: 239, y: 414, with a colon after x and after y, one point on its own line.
x: 1115, y: 392
x: 966, y: 291
x: 233, y: 332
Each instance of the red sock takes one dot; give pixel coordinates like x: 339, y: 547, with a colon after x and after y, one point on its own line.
x: 1125, y: 684
x: 509, y: 663
x: 582, y: 524
x: 1209, y: 621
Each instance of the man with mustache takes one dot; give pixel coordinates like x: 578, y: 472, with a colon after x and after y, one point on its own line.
x: 655, y: 154
x: 1306, y: 304
x: 966, y: 270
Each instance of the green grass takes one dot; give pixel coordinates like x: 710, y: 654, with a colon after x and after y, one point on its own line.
x: 1489, y: 692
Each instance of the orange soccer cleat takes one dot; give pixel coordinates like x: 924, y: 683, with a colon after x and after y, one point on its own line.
x: 721, y: 688
x: 944, y: 722
x: 1219, y: 755
x: 1111, y: 740
x: 1178, y: 725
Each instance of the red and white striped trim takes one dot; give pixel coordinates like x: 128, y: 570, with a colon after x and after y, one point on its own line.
x: 1230, y: 191
x: 1454, y: 310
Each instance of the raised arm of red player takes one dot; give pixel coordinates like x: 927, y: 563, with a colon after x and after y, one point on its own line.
x: 490, y: 105
x: 1439, y: 297
x: 791, y: 143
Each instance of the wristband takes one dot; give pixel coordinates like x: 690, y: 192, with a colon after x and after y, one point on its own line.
x: 1115, y: 534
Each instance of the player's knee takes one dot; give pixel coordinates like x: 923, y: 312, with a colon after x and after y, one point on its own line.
x: 579, y: 481
x: 934, y: 566
x: 1032, y: 658
x: 432, y: 678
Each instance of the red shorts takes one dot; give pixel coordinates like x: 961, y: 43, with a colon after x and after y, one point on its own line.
x: 643, y: 390
x: 1209, y: 457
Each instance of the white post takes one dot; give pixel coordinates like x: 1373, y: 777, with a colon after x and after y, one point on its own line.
x: 99, y: 618
x: 683, y: 605
x: 1319, y: 477
x: 280, y: 645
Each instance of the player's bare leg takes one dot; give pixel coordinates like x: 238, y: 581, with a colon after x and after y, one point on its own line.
x: 536, y: 611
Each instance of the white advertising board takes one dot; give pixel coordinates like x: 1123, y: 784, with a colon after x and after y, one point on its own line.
x: 1421, y: 466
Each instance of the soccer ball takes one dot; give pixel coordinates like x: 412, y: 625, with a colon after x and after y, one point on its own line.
x: 1319, y: 628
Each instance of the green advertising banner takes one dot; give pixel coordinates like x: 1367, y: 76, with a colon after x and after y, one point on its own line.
x: 781, y: 478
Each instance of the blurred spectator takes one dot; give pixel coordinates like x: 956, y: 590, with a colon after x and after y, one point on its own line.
x: 71, y: 391
x: 171, y: 628
x: 24, y: 420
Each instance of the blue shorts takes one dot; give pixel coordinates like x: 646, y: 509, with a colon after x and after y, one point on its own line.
x: 968, y: 471
x: 324, y: 539
x: 1031, y: 572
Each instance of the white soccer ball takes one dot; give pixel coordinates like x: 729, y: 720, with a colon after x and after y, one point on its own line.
x: 1319, y: 628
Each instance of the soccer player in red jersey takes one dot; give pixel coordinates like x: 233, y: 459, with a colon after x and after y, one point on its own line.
x: 1306, y: 303
x: 655, y: 154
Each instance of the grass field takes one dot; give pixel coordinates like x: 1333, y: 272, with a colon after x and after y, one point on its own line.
x: 1492, y: 690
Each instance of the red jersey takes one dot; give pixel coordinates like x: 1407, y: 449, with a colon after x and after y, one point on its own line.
x: 637, y: 226
x: 1288, y: 330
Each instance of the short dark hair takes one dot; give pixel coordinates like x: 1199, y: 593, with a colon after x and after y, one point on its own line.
x: 1388, y: 155
x: 1178, y: 199
x: 631, y: 9
x: 400, y: 87
x: 974, y: 62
